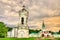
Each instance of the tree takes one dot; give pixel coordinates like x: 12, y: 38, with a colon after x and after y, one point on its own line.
x: 51, y: 32
x: 59, y: 32
x: 3, y: 30
x: 9, y: 29
x: 33, y: 31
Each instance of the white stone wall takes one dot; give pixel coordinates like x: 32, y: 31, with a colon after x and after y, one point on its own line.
x: 12, y: 33
x: 56, y: 35
x: 34, y: 35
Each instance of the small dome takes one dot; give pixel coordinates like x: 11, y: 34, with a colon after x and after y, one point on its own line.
x: 24, y: 8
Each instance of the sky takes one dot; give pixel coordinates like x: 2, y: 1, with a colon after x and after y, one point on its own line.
x: 39, y: 10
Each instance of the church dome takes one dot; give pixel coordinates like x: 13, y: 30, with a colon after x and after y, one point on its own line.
x: 24, y: 9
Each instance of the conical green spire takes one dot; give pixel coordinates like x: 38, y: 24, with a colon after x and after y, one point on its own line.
x: 43, y: 25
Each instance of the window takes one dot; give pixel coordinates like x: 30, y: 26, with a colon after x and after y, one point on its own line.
x: 22, y: 20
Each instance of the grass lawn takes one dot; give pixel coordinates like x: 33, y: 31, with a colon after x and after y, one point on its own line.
x: 28, y: 39
x: 17, y: 38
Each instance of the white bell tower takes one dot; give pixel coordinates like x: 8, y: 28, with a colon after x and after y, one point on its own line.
x: 23, y: 17
x: 23, y: 31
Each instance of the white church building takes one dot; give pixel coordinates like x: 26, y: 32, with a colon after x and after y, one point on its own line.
x: 22, y: 30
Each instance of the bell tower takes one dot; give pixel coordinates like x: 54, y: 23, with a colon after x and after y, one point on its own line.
x: 23, y: 17
x: 23, y: 31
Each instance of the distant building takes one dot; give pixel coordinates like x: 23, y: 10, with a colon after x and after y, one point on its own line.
x: 44, y: 32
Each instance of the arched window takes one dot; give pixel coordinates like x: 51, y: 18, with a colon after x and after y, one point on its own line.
x: 22, y: 20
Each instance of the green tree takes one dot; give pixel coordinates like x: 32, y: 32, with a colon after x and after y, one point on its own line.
x: 9, y: 29
x: 51, y: 32
x: 34, y: 31
x: 3, y: 30
x: 58, y: 32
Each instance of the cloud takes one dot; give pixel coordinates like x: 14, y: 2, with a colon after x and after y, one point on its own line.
x: 38, y: 10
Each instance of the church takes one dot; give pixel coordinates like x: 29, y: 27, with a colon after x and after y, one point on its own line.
x: 22, y: 30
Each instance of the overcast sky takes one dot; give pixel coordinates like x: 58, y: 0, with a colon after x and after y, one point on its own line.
x: 47, y: 10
